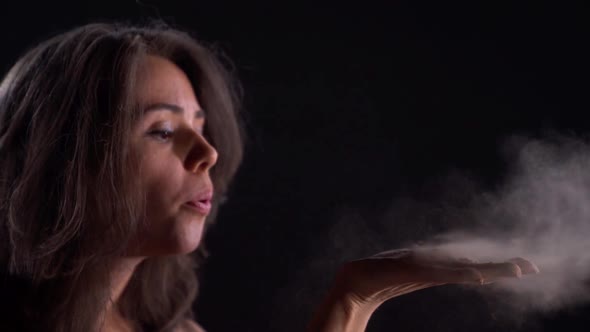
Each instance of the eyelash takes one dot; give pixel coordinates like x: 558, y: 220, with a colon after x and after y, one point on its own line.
x: 158, y: 134
x: 169, y: 133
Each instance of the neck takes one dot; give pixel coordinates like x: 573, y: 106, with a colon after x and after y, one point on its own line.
x: 120, y: 275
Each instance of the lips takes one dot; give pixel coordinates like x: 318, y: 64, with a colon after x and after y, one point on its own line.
x: 201, y: 202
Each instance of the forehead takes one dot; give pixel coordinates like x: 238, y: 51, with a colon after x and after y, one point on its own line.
x: 159, y: 80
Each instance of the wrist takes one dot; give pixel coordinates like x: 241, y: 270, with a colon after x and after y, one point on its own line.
x: 341, y: 311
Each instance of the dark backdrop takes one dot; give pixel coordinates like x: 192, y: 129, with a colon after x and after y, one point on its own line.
x: 356, y: 111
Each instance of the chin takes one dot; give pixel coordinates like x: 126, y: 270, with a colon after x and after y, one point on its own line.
x: 182, y: 238
x: 186, y: 239
x: 184, y: 247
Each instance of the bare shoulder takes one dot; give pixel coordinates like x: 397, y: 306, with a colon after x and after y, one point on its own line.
x: 189, y: 325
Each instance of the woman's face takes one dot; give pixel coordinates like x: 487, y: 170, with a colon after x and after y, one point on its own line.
x: 175, y: 160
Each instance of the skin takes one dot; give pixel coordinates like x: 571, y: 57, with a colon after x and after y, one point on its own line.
x: 361, y: 286
x: 174, y: 167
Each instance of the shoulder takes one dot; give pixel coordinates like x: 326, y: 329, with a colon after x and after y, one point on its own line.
x: 189, y: 325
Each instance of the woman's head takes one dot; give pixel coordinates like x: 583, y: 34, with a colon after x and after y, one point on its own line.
x: 175, y: 160
x: 87, y: 173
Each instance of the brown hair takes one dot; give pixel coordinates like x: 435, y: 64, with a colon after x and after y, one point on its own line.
x: 69, y: 197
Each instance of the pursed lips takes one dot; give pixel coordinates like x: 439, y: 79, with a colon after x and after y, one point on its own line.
x: 201, y: 202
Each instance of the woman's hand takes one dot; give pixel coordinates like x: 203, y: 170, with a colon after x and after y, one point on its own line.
x: 362, y: 285
x: 369, y: 282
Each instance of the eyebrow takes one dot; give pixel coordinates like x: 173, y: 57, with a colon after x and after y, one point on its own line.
x: 199, y: 114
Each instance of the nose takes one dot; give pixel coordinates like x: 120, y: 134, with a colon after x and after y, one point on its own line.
x: 202, y: 155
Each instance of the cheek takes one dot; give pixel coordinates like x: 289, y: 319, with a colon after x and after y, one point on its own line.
x: 162, y: 187
x: 170, y: 227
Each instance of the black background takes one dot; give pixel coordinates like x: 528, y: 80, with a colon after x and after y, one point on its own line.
x: 355, y: 112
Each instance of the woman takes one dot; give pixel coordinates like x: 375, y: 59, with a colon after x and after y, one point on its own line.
x: 117, y: 144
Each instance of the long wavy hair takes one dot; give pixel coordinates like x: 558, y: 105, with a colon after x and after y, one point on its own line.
x: 69, y: 193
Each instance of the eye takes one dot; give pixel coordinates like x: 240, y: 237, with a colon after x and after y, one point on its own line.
x: 163, y: 135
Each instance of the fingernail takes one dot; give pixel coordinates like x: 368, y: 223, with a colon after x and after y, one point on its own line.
x: 517, y: 271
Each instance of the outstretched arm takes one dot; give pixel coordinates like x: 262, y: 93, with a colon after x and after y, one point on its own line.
x: 361, y: 286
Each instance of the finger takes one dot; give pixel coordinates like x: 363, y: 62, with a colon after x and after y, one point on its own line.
x: 435, y: 256
x: 465, y: 261
x: 396, y: 253
x: 453, y: 262
x: 450, y: 275
x: 526, y: 266
x: 493, y: 271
